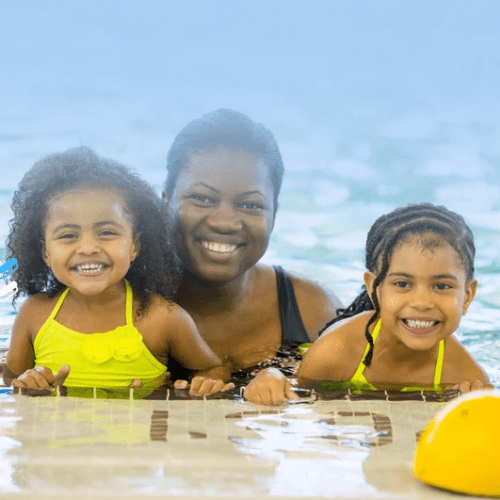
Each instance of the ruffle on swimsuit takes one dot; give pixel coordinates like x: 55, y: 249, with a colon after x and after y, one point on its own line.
x: 108, y: 359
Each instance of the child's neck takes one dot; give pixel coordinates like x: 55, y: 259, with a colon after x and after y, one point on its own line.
x: 104, y: 300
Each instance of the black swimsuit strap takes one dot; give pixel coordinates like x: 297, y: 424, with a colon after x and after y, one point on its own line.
x: 292, y: 327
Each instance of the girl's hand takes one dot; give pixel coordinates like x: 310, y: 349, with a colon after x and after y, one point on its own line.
x: 466, y: 386
x: 203, y: 386
x: 269, y: 387
x: 41, y: 379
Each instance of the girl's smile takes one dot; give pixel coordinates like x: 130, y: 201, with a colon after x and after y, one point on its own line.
x: 424, y: 294
x: 89, y: 242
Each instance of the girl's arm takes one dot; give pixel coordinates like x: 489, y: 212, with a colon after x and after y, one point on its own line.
x: 335, y: 355
x: 190, y: 350
x: 18, y: 368
x: 21, y: 356
x: 462, y: 369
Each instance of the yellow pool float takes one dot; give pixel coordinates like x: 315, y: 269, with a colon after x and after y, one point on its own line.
x: 460, y: 448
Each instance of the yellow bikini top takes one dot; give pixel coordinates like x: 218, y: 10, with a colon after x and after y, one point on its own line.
x: 358, y: 380
x: 107, y: 359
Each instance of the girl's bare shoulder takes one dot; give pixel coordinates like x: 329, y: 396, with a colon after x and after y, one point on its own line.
x: 335, y: 355
x: 163, y: 315
x: 33, y: 312
x: 459, y: 365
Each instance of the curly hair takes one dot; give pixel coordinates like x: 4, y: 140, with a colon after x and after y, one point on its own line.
x: 436, y: 225
x: 227, y: 129
x: 155, y: 270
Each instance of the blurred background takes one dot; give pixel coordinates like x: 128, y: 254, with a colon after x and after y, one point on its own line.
x: 374, y: 105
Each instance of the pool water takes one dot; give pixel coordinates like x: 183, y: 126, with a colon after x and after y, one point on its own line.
x: 372, y: 107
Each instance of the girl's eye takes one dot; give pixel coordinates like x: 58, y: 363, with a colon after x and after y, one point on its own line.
x: 401, y: 284
x: 107, y: 232
x: 443, y: 286
x: 67, y: 236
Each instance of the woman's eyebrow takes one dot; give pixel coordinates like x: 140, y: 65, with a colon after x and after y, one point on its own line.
x: 207, y: 186
x: 255, y: 191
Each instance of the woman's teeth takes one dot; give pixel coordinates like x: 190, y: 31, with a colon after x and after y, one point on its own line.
x: 418, y: 323
x: 89, y: 268
x: 218, y: 247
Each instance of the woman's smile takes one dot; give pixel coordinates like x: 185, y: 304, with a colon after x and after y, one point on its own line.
x: 223, y: 213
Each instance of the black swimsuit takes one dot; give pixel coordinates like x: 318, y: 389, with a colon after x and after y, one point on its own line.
x: 292, y: 327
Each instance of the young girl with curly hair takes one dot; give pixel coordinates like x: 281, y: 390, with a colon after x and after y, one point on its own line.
x: 93, y: 251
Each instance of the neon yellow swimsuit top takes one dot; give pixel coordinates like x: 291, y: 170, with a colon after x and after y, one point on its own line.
x: 109, y: 359
x: 359, y: 381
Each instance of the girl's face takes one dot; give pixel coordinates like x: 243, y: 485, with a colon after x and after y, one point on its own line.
x: 89, y: 241
x: 424, y: 294
x: 222, y: 207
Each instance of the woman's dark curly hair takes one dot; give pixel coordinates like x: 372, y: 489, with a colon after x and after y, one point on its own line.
x: 224, y: 128
x: 155, y: 270
x: 435, y: 225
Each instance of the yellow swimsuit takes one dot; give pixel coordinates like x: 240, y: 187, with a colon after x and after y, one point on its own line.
x: 359, y: 383
x: 109, y: 359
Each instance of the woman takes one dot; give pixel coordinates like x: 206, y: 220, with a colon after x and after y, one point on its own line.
x: 224, y: 177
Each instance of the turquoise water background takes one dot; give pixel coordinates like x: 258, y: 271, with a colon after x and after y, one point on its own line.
x: 374, y: 105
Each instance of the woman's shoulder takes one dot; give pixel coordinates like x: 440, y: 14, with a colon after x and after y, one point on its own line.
x: 316, y: 303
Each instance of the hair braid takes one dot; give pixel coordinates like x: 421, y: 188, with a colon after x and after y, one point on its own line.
x: 435, y: 224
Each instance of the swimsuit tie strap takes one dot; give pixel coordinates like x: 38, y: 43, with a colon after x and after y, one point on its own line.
x: 128, y: 305
x: 439, y: 364
x: 58, y: 305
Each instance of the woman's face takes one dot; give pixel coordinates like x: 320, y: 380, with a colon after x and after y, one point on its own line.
x: 222, y: 207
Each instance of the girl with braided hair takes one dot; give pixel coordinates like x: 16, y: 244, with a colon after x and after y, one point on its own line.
x: 418, y: 284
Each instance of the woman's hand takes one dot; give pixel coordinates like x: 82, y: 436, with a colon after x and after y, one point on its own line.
x: 40, y: 380
x: 269, y: 387
x: 203, y: 386
x: 467, y: 386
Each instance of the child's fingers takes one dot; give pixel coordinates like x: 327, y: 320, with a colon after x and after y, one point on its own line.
x: 35, y: 378
x: 467, y: 386
x: 289, y: 392
x: 201, y: 386
x: 181, y: 384
x: 227, y: 387
x: 61, y: 375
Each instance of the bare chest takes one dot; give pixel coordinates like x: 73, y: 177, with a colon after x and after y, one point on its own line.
x: 246, y: 337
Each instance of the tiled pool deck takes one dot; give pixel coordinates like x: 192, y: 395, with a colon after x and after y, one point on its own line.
x: 62, y: 447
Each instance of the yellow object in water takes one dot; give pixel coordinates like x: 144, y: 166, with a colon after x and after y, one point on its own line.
x: 460, y: 448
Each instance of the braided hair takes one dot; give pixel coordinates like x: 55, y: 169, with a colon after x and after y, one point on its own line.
x: 434, y: 224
